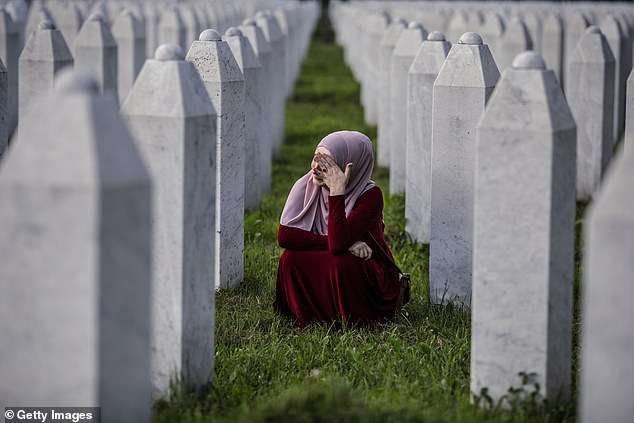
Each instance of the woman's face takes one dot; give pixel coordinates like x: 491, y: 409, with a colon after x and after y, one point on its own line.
x: 313, y: 165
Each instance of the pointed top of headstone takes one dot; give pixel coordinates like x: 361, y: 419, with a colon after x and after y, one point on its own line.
x: 166, y: 52
x: 96, y: 16
x: 436, y: 36
x: 46, y: 24
x: 470, y: 38
x: 233, y: 32
x: 209, y: 35
x: 76, y: 81
x: 529, y: 60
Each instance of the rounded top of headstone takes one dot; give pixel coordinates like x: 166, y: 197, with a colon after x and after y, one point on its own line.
x: 75, y: 81
x: 249, y: 22
x: 471, y: 38
x: 232, y: 31
x: 529, y: 60
x: 435, y: 36
x: 46, y: 24
x: 400, y: 21
x: 167, y: 52
x: 593, y: 29
x: 126, y: 12
x: 96, y: 16
x: 415, y: 25
x: 209, y: 35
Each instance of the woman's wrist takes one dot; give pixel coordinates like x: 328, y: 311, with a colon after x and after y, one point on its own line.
x: 337, y: 190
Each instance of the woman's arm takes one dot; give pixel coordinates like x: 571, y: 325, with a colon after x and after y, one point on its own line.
x: 342, y: 231
x: 297, y: 239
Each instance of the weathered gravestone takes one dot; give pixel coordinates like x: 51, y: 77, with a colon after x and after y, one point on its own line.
x: 615, y: 37
x: 575, y: 23
x: 252, y: 71
x: 492, y: 32
x: 523, y: 241
x: 95, y: 50
x: 590, y: 94
x: 553, y: 44
x: 75, y: 206
x: 171, y: 28
x: 405, y: 50
x: 274, y: 36
x: 67, y: 18
x: 515, y: 40
x: 224, y: 82
x: 129, y: 35
x: 174, y: 123
x: 384, y: 128
x: 10, y: 54
x: 44, y: 53
x: 629, y: 112
x: 375, y: 26
x: 461, y: 90
x: 4, y: 110
x: 420, y: 89
x: 607, y: 347
x: 262, y: 49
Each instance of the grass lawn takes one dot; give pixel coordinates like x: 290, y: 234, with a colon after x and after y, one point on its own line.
x: 412, y: 370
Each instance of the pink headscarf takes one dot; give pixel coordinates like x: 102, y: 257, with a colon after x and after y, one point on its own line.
x: 307, y: 204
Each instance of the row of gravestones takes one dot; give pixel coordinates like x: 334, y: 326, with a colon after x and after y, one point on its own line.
x: 112, y: 40
x: 497, y: 164
x: 112, y: 245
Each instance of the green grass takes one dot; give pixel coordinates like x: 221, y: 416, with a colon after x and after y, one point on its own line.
x: 412, y: 370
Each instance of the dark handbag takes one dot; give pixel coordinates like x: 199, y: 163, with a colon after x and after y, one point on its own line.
x: 403, y: 278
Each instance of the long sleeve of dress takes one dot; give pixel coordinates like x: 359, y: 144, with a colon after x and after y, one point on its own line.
x: 344, y: 231
x: 298, y: 239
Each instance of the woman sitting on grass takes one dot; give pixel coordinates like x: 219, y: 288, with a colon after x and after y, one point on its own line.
x: 332, y: 270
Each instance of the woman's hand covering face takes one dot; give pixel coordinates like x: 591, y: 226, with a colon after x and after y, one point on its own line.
x: 326, y: 170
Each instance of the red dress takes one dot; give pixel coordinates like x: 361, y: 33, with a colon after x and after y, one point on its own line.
x: 318, y: 279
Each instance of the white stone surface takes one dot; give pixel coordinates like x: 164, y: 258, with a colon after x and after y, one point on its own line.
x: 420, y: 89
x: 628, y: 138
x: 224, y: 82
x: 95, y: 50
x: 492, y: 32
x: 607, y: 346
x: 75, y: 206
x: 274, y: 36
x: 384, y: 128
x: 172, y: 118
x: 615, y: 37
x: 403, y: 55
x: 129, y: 35
x: 461, y: 90
x: 590, y: 94
x: 515, y: 40
x: 152, y: 22
x: 252, y: 71
x: 575, y: 24
x: 553, y: 44
x: 523, y: 239
x: 262, y: 49
x: 44, y: 53
x: 171, y: 28
x: 10, y: 54
x: 191, y: 21
x: 67, y: 18
x: 376, y: 25
x: 4, y: 109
